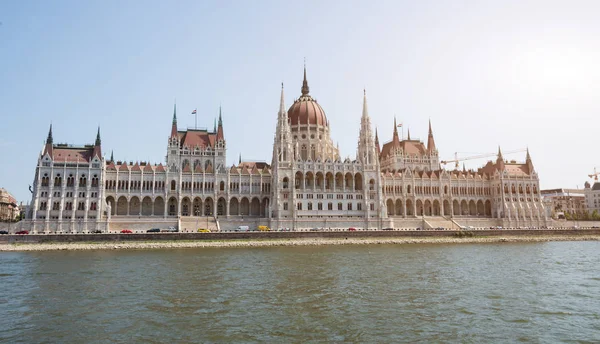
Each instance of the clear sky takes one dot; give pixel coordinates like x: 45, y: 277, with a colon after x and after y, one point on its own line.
x: 487, y: 73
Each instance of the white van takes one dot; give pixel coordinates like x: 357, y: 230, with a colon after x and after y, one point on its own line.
x: 242, y: 229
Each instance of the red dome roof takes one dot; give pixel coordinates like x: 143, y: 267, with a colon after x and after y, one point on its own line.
x: 306, y: 110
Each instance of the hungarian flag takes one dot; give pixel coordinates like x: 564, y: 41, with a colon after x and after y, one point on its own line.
x: 194, y: 112
x: 399, y: 125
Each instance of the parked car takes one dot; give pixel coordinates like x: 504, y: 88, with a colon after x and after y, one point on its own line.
x: 153, y: 230
x: 97, y: 231
x: 242, y: 229
x: 264, y: 228
x: 203, y: 230
x: 388, y: 229
x: 351, y: 229
x: 3, y: 232
x: 22, y: 232
x: 126, y: 231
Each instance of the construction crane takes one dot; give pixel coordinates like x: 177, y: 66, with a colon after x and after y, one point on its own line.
x: 594, y: 175
x: 480, y: 156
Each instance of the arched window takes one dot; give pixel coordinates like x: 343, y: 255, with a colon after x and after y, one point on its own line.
x: 222, y: 186
x: 286, y: 182
x: 299, y: 205
x: 320, y: 206
x: 340, y: 206
x: 57, y: 180
x: 313, y: 153
x: 310, y: 206
x: 329, y: 206
x: 304, y: 153
x: 173, y: 185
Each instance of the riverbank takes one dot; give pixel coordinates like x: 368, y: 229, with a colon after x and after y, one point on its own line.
x: 284, y: 242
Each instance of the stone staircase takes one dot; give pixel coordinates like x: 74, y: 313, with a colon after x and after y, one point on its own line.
x: 190, y: 224
x: 439, y: 222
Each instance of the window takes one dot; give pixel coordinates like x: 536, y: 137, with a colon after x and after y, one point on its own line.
x: 299, y: 205
x: 340, y: 207
x: 372, y: 206
x: 310, y: 206
x: 173, y: 185
x: 349, y: 206
x: 329, y: 206
x: 81, y: 206
x: 359, y: 206
x: 285, y: 206
x: 320, y: 206
x: 56, y: 206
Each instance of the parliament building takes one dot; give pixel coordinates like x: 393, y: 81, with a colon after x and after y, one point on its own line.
x: 307, y: 184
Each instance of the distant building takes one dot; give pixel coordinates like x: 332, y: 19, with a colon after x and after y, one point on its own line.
x: 9, y: 209
x: 571, y: 201
x: 592, y: 196
x: 308, y: 183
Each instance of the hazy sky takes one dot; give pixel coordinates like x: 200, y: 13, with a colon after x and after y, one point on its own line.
x: 487, y: 73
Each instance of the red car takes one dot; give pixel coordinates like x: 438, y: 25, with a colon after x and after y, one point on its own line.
x: 126, y: 231
x: 351, y: 229
x: 22, y: 232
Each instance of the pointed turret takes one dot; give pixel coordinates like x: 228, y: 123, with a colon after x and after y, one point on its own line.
x: 98, y: 141
x: 500, y: 159
x: 366, y: 151
x: 174, y: 125
x: 220, y: 135
x: 377, y: 143
x: 305, y: 88
x: 395, y: 138
x: 97, y: 146
x: 282, y: 144
x: 430, y: 142
x: 365, y: 112
x: 112, y: 158
x: 408, y: 134
x: 49, y: 143
x: 49, y: 139
x: 281, y: 103
x: 529, y: 162
x: 240, y: 159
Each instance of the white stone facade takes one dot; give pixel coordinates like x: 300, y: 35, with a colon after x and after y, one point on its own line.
x: 77, y: 190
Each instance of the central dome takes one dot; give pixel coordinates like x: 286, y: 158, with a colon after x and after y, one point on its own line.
x: 306, y: 110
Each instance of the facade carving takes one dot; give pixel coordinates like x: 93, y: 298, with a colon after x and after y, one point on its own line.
x: 75, y: 187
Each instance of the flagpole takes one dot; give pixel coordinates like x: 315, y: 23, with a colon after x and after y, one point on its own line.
x: 196, y: 120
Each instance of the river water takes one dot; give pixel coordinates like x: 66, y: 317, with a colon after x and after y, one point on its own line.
x: 468, y: 293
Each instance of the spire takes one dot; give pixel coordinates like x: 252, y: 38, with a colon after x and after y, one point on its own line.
x: 365, y: 110
x: 175, y: 113
x: 240, y: 159
x: 174, y: 125
x: 430, y: 141
x: 528, y: 162
x: 220, y: 119
x: 215, y: 126
x: 49, y: 140
x: 377, y: 142
x: 305, y: 88
x: 395, y: 137
x: 98, y: 141
x: 500, y: 159
x: 464, y: 169
x: 112, y: 159
x: 282, y: 102
x: 220, y: 135
x: 408, y: 134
